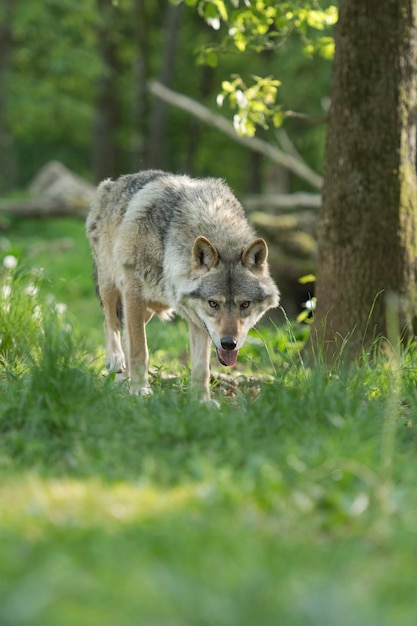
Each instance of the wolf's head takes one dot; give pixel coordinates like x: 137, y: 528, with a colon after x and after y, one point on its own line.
x: 234, y: 291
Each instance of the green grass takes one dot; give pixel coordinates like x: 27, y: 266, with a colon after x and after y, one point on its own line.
x: 293, y: 504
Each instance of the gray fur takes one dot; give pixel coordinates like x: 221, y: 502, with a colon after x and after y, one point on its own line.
x: 164, y: 242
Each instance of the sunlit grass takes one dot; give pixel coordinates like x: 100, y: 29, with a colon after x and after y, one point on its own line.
x: 35, y: 503
x: 293, y: 503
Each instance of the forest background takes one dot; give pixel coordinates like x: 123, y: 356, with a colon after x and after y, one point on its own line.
x: 75, y: 88
x: 292, y: 503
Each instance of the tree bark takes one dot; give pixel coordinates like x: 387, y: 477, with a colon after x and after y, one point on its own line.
x: 140, y: 72
x: 105, y: 152
x: 367, y: 235
x: 7, y: 156
x: 157, y: 139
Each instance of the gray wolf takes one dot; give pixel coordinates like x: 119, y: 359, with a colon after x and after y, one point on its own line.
x: 165, y: 243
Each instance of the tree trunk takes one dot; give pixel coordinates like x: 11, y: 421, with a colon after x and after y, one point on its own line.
x: 157, y: 139
x: 7, y: 156
x: 141, y: 72
x: 105, y: 153
x: 367, y: 235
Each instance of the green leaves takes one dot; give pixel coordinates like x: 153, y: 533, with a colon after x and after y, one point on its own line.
x: 324, y: 46
x: 54, y: 68
x: 259, y: 26
x: 254, y: 105
x: 261, y: 23
x: 309, y: 306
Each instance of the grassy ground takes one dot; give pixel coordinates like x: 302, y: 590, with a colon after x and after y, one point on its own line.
x: 293, y: 504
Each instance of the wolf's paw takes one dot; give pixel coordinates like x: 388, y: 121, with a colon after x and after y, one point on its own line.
x: 210, y: 402
x: 141, y: 391
x: 116, y: 363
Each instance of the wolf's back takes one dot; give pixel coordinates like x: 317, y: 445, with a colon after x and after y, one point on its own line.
x: 114, y: 196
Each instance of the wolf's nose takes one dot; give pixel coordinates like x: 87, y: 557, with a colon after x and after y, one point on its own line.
x: 228, y: 343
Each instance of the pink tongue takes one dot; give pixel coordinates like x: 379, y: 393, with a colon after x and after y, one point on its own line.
x: 227, y: 357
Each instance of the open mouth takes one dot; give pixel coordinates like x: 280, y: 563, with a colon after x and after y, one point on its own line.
x: 227, y: 357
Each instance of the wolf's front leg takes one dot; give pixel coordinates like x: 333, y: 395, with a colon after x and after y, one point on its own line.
x: 115, y: 358
x: 200, y: 344
x: 136, y: 317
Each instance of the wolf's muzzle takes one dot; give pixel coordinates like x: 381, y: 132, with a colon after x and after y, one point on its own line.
x: 228, y: 343
x: 227, y: 354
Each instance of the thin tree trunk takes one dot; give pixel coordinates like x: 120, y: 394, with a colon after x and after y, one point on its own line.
x: 7, y: 160
x: 141, y: 72
x: 367, y: 238
x: 105, y: 157
x: 158, y: 118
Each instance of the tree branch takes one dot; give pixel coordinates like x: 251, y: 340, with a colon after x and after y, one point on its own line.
x: 290, y: 162
x: 298, y: 200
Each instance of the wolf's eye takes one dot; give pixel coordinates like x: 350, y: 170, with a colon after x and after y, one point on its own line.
x: 245, y: 305
x: 213, y: 304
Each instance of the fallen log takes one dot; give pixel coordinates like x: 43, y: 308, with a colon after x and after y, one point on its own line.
x: 55, y: 191
x: 42, y: 208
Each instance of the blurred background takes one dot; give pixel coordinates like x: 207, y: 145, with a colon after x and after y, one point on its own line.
x: 74, y: 90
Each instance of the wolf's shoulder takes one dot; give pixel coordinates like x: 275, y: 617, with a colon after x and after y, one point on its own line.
x: 113, y: 196
x: 129, y: 184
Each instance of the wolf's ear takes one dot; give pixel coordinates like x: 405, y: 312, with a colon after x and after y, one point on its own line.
x: 255, y: 254
x: 204, y: 255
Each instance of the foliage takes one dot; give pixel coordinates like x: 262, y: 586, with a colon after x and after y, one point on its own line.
x: 36, y: 332
x: 54, y: 66
x: 57, y: 254
x: 255, y: 104
x: 56, y: 69
x: 309, y: 306
x: 261, y: 27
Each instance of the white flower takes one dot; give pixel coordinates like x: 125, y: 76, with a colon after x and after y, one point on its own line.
x: 214, y: 22
x: 32, y: 290
x: 239, y: 124
x: 241, y: 99
x: 38, y: 272
x: 37, y: 313
x: 220, y: 100
x: 10, y: 262
x: 60, y: 308
x: 6, y: 291
x: 310, y: 305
